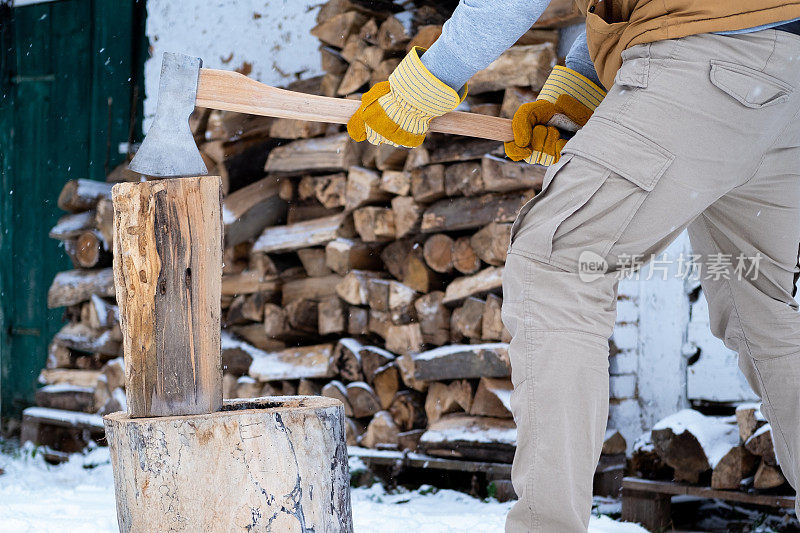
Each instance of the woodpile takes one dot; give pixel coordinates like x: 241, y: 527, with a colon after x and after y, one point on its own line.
x: 734, y: 453
x: 367, y: 274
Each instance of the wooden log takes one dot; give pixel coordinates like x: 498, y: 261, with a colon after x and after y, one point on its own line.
x: 82, y: 195
x: 454, y: 214
x: 646, y: 461
x: 309, y: 387
x: 405, y: 366
x: 81, y: 337
x: 374, y: 224
x: 313, y: 260
x: 333, y: 154
x: 335, y: 30
x: 438, y: 252
x: 409, y: 440
x: 749, y: 419
x: 347, y: 359
x: 71, y: 226
x: 445, y: 398
x: 407, y: 216
x: 372, y: 359
x: 736, y: 465
x: 69, y: 376
x: 396, y: 182
x: 247, y: 211
x: 426, y: 36
x: 515, y: 97
x: 363, y: 399
x: 453, y: 150
x: 614, y: 443
x: 249, y: 282
x: 314, y: 232
x: 383, y: 71
x: 465, y: 260
x: 363, y: 188
x: 467, y: 320
x: 493, y: 398
x: 491, y: 242
x: 404, y: 338
x: 558, y: 14
x: 337, y: 390
x: 67, y: 397
x: 488, y: 279
x: 433, y: 317
x: 331, y: 61
x: 408, y: 410
x: 357, y: 321
x: 167, y: 272
x: 310, y: 288
x: 381, y: 430
x: 463, y: 179
x: 353, y: 288
x: 329, y: 190
x: 293, y: 363
x: 330, y: 84
x: 760, y: 444
x: 768, y: 477
x: 332, y: 316
x: 492, y: 327
x: 521, y: 66
x: 357, y: 76
x: 386, y: 383
x: 690, y: 442
x: 461, y: 361
x: 394, y: 34
x: 502, y: 175
x: 97, y: 313
x: 72, y: 287
x: 388, y: 158
x: 256, y: 335
x: 192, y: 451
x: 427, y: 183
x: 471, y: 437
x: 114, y: 373
x: 344, y: 255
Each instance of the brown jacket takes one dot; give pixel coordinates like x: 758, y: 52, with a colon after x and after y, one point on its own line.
x: 615, y: 25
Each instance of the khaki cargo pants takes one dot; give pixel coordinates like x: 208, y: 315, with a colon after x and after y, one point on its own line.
x: 700, y: 133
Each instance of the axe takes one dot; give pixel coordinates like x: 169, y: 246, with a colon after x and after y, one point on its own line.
x: 169, y: 149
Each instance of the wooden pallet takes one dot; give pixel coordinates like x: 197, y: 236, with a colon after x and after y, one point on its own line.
x: 648, y: 502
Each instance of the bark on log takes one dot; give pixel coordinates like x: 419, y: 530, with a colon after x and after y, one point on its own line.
x: 461, y: 361
x: 167, y: 272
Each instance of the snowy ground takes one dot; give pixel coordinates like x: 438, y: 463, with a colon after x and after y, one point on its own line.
x: 79, y: 496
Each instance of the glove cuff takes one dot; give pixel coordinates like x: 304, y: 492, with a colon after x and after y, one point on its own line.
x: 563, y: 80
x: 414, y: 84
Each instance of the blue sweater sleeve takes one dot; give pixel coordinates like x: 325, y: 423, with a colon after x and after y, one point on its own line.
x: 479, y: 31
x: 578, y: 59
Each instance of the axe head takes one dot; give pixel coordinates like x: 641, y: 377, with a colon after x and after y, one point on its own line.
x: 168, y: 149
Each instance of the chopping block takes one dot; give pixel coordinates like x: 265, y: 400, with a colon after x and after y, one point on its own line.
x: 183, y: 459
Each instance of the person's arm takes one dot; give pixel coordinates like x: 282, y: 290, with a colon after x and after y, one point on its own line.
x: 477, y: 33
x: 578, y: 59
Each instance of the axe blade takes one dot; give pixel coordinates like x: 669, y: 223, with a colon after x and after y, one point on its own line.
x: 168, y: 149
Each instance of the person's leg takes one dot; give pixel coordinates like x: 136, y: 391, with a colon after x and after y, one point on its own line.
x: 667, y: 143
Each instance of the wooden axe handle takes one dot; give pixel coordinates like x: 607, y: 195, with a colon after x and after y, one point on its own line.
x: 231, y: 91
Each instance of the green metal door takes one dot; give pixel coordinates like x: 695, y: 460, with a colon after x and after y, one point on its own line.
x: 67, y: 100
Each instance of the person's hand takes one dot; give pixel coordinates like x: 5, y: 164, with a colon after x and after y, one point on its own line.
x: 565, y: 94
x: 398, y: 111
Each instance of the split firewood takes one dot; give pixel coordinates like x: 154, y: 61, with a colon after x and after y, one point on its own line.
x: 336, y: 29
x: 409, y: 440
x: 237, y: 161
x: 347, y: 359
x: 358, y: 75
x: 408, y: 410
x: 449, y: 149
x: 427, y: 183
x: 315, y: 232
x: 395, y: 32
x: 467, y: 320
x: 374, y: 224
x: 513, y: 98
x: 310, y: 288
x: 313, y: 260
x: 369, y: 31
x: 330, y: 84
x: 692, y: 443
x: 344, y: 255
x: 417, y: 157
x: 255, y: 334
x: 768, y: 477
x: 71, y: 226
x: 486, y: 108
x: 434, y: 318
x: 415, y: 272
x: 464, y: 179
x: 249, y: 282
x: 286, y: 128
x: 363, y: 188
x: 459, y: 361
x: 357, y: 321
x: 362, y: 399
x: 381, y: 430
x: 229, y: 384
x: 82, y: 195
x: 396, y: 182
x: 558, y: 14
x: 493, y: 398
x: 329, y: 190
x: 337, y: 390
x: 75, y: 286
x: 331, y: 61
x: 438, y: 252
x: 303, y: 315
x: 275, y: 323
x: 491, y: 242
x: 521, y: 66
x: 379, y: 323
x: 114, y: 373
x: 309, y: 387
x: 426, y: 36
x: 97, y: 313
x: 67, y: 397
x: 247, y: 387
x: 234, y: 315
x: 247, y: 211
x: 353, y: 288
x: 383, y: 71
x: 736, y: 465
x: 471, y: 437
x: 407, y: 215
x: 465, y: 260
x: 487, y: 280
x: 760, y: 444
x: 332, y: 317
x: 502, y: 175
x: 407, y: 370
x: 646, y: 461
x: 69, y: 376
x: 471, y: 212
x: 77, y: 336
x: 614, y: 443
x: 404, y: 338
x: 492, y: 325
x: 391, y: 158
x: 88, y: 251
x: 353, y: 431
x: 59, y: 356
x: 293, y: 363
x: 333, y: 154
x: 372, y: 359
x: 749, y: 419
x: 443, y: 398
x: 386, y: 383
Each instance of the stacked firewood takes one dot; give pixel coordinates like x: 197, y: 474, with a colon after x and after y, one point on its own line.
x: 735, y: 452
x: 371, y: 275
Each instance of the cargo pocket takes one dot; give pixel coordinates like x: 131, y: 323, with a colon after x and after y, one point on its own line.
x: 593, y: 197
x: 748, y: 86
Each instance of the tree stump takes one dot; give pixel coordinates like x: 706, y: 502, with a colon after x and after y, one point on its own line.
x: 267, y: 464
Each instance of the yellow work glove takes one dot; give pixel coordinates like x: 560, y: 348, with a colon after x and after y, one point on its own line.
x: 398, y: 111
x: 565, y: 92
